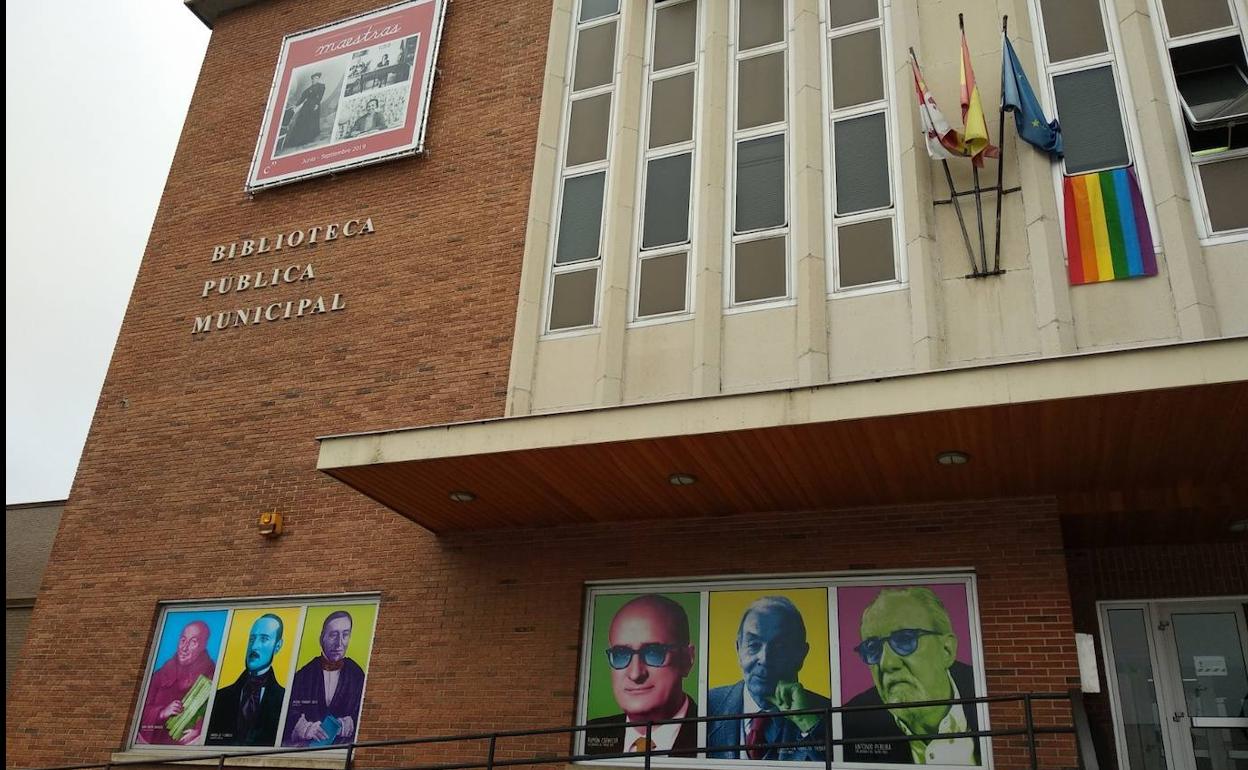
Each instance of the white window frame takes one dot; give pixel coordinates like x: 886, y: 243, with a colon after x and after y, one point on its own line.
x: 888, y: 107
x: 736, y: 136
x: 1192, y: 164
x: 1113, y: 57
x: 565, y: 172
x: 641, y: 254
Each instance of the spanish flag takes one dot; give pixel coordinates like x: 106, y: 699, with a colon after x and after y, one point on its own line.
x: 975, y: 133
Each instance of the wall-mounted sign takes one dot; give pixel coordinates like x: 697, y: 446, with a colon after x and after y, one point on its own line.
x: 349, y: 93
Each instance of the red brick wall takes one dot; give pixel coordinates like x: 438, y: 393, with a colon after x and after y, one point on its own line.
x: 1145, y: 572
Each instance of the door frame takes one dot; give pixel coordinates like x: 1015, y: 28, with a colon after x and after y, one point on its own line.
x: 1175, y: 737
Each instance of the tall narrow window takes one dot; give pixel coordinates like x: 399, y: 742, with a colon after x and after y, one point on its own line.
x: 665, y: 242
x: 577, y: 254
x: 864, y: 210
x: 1083, y: 74
x: 1205, y: 50
x: 760, y: 218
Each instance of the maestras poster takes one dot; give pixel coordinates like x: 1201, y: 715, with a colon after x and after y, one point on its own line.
x: 348, y: 93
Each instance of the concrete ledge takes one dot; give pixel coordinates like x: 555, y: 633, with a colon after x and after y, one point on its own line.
x: 326, y: 760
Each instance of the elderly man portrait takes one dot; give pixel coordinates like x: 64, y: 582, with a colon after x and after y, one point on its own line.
x: 326, y: 695
x: 909, y: 644
x: 771, y: 647
x: 170, y: 684
x: 649, y: 655
x: 246, y: 712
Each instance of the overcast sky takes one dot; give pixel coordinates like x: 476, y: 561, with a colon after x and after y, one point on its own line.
x: 95, y: 97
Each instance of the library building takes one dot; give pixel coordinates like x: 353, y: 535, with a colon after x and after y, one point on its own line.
x: 877, y: 368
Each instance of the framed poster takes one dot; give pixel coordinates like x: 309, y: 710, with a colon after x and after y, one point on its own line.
x: 349, y: 93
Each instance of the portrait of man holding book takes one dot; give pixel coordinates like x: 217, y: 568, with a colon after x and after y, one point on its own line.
x: 326, y: 694
x: 178, y: 692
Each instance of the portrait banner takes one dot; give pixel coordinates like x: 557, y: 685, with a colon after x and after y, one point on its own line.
x: 180, y: 682
x: 349, y: 93
x: 907, y: 643
x: 643, y: 666
x: 767, y: 651
x: 328, y: 688
x: 255, y: 673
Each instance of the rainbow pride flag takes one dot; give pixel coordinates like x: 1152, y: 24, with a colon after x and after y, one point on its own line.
x: 1107, y: 233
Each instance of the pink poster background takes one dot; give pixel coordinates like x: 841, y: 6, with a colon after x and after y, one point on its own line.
x: 418, y: 19
x: 852, y: 600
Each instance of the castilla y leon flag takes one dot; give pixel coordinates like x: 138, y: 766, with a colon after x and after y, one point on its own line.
x: 975, y: 133
x: 943, y: 141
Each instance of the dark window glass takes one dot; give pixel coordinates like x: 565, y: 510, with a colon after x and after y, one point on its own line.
x: 595, y: 57
x: 864, y: 252
x: 1073, y: 28
x: 572, y: 299
x: 662, y: 288
x: 760, y: 184
x: 667, y: 201
x: 580, y: 220
x: 1092, y: 130
x: 862, y: 176
x: 587, y: 133
x: 760, y: 270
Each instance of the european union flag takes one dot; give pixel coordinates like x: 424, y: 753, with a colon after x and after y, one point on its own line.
x: 1017, y: 96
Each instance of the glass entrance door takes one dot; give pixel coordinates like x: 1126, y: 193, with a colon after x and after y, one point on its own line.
x: 1202, y: 648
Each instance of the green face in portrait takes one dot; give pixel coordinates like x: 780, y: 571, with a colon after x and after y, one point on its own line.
x: 909, y: 644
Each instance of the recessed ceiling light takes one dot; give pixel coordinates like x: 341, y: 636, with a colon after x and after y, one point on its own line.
x: 953, y: 458
x: 463, y: 497
x: 682, y: 479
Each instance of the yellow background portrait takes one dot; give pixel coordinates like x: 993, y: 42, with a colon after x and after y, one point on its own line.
x: 363, y: 619
x: 234, y: 659
x: 725, y: 611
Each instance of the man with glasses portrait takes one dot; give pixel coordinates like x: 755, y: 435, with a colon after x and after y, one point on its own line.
x: 650, y: 654
x: 909, y: 645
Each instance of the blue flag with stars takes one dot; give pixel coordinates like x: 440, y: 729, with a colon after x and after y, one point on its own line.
x: 1017, y: 97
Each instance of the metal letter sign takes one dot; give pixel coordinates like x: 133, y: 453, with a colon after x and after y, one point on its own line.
x: 349, y: 93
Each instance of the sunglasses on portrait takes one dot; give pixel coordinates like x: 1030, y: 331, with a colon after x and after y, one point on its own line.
x: 904, y: 641
x: 654, y: 655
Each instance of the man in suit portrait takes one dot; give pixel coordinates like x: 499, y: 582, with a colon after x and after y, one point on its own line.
x: 246, y: 712
x: 327, y: 692
x: 909, y: 645
x: 650, y: 654
x: 771, y: 648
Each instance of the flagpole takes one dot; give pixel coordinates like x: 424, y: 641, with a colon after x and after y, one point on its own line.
x: 953, y: 193
x: 996, y: 251
x: 979, y: 204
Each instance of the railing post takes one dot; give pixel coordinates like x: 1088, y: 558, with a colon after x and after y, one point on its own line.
x: 827, y: 738
x: 649, y: 742
x: 489, y: 760
x: 1031, y: 730
x: 220, y: 762
x: 350, y: 755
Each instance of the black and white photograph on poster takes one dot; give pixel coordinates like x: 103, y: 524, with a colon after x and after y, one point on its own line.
x: 311, y: 105
x: 382, y: 65
x: 370, y: 112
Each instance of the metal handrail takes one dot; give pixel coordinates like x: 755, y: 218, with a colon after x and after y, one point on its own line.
x: 827, y: 742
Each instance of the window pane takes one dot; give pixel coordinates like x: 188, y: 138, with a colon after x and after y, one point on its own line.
x: 667, y: 201
x: 760, y: 270
x: 675, y: 32
x: 662, y: 287
x: 864, y: 253
x: 856, y: 71
x: 1073, y: 28
x: 595, y: 57
x: 861, y: 147
x: 761, y: 23
x: 1224, y: 185
x: 587, y: 133
x: 671, y: 110
x: 580, y: 219
x: 843, y: 12
x: 596, y: 9
x: 1183, y: 17
x: 572, y: 299
x: 760, y: 90
x: 760, y: 184
x: 1087, y: 106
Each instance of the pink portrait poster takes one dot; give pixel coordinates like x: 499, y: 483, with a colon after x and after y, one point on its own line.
x: 352, y: 92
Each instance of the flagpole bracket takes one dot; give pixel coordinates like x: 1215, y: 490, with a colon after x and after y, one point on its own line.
x: 947, y: 201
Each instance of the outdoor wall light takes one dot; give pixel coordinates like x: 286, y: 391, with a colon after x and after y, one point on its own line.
x: 461, y: 496
x: 1239, y: 526
x: 953, y: 458
x: 682, y: 479
x: 270, y: 524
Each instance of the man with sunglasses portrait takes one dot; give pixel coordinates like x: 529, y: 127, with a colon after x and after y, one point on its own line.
x: 650, y: 654
x: 909, y: 645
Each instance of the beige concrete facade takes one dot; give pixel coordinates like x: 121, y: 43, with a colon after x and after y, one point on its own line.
x: 933, y: 317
